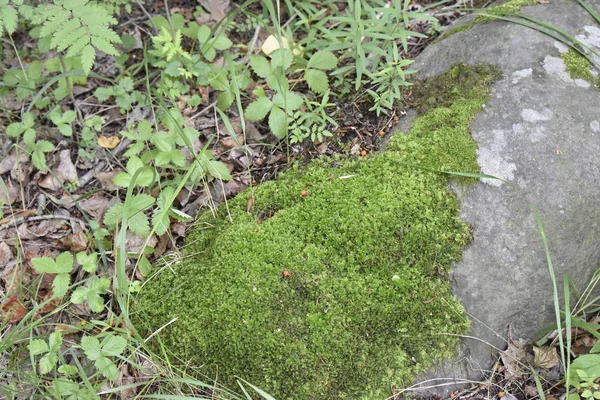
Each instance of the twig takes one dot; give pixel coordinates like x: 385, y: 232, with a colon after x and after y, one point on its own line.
x: 19, y: 221
x: 201, y: 112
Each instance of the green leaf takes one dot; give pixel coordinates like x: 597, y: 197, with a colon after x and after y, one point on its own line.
x: 281, y: 58
x: 88, y: 262
x: 88, y: 56
x: 37, y: 346
x: 65, y: 129
x: 317, y: 80
x: 289, y: 102
x: 91, y: 347
x: 219, y: 170
x: 64, y: 262
x: 8, y: 17
x: 44, y: 265
x: 278, y: 122
x: 48, y: 362
x: 260, y: 66
x: 113, y: 345
x: 60, y: 285
x: 107, y: 368
x: 91, y: 293
x: 258, y: 109
x: 122, y: 179
x: 324, y: 60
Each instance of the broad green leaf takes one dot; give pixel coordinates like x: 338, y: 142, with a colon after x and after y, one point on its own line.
x: 281, y: 58
x: 278, y: 122
x: 8, y: 17
x: 122, y: 179
x: 48, y: 362
x: 37, y: 346
x: 219, y: 170
x: 55, y: 341
x: 317, y: 80
x: 113, y: 345
x: 290, y: 102
x: 258, y: 109
x: 64, y: 262
x: 324, y: 60
x: 260, y: 66
x: 44, y: 265
x: 107, y: 368
x: 65, y: 129
x: 60, y: 285
x: 91, y: 347
x: 88, y: 262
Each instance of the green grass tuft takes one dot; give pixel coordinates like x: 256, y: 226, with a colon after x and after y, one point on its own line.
x: 366, y: 304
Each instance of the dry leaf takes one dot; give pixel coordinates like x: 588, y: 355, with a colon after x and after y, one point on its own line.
x: 13, y: 310
x: 272, y: 43
x: 108, y: 142
x: 514, y: 359
x: 5, y: 254
x: 545, y: 357
x: 8, y: 194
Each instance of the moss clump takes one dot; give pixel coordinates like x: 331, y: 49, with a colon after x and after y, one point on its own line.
x: 338, y: 294
x: 578, y: 66
x: 512, y: 6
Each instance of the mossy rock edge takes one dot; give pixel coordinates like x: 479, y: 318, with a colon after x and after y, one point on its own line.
x: 338, y: 292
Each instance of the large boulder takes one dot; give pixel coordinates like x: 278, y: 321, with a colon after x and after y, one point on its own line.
x: 540, y: 131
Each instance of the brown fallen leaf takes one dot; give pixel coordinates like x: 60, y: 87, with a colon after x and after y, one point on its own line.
x: 515, y: 359
x: 108, y: 142
x: 13, y: 310
x: 250, y: 204
x: 545, y: 357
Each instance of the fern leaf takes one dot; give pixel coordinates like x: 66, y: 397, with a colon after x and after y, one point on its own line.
x: 104, y: 46
x: 64, y: 37
x: 88, y: 56
x: 78, y: 46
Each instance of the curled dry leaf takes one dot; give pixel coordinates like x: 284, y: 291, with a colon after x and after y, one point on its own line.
x: 5, y: 254
x: 13, y: 310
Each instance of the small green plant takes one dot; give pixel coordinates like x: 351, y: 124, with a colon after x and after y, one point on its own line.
x: 63, y: 121
x: 49, y: 350
x: 61, y: 268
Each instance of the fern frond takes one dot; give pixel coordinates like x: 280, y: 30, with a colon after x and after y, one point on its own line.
x: 77, y: 27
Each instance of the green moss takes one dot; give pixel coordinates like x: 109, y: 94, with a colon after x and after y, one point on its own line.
x: 578, y: 66
x: 366, y: 302
x: 512, y: 6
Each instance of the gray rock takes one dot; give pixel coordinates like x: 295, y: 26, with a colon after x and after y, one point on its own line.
x: 540, y: 130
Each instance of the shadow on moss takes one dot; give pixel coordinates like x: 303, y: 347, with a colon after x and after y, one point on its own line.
x: 341, y: 293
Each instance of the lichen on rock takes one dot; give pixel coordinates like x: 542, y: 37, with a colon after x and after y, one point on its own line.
x: 334, y: 284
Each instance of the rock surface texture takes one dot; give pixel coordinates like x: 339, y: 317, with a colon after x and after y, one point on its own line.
x: 540, y: 131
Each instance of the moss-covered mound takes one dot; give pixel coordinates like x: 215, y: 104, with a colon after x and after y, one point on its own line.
x: 333, y: 285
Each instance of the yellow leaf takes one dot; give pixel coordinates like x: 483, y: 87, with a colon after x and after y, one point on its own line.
x: 108, y: 142
x: 272, y: 43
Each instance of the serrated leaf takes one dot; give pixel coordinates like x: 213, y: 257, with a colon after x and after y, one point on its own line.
x: 64, y: 262
x: 88, y: 56
x: 103, y: 94
x: 107, y: 368
x: 122, y: 179
x: 9, y: 18
x: 60, y: 285
x: 278, y: 122
x: 104, y: 46
x: 219, y: 170
x: 260, y: 65
x: 144, y: 266
x: 65, y: 129
x: 37, y: 346
x: 317, y: 80
x: 113, y: 345
x: 281, y: 58
x: 44, y: 265
x: 89, y: 262
x: 138, y: 223
x: 91, y: 347
x: 290, y: 102
x: 48, y: 362
x: 323, y: 59
x: 258, y: 109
